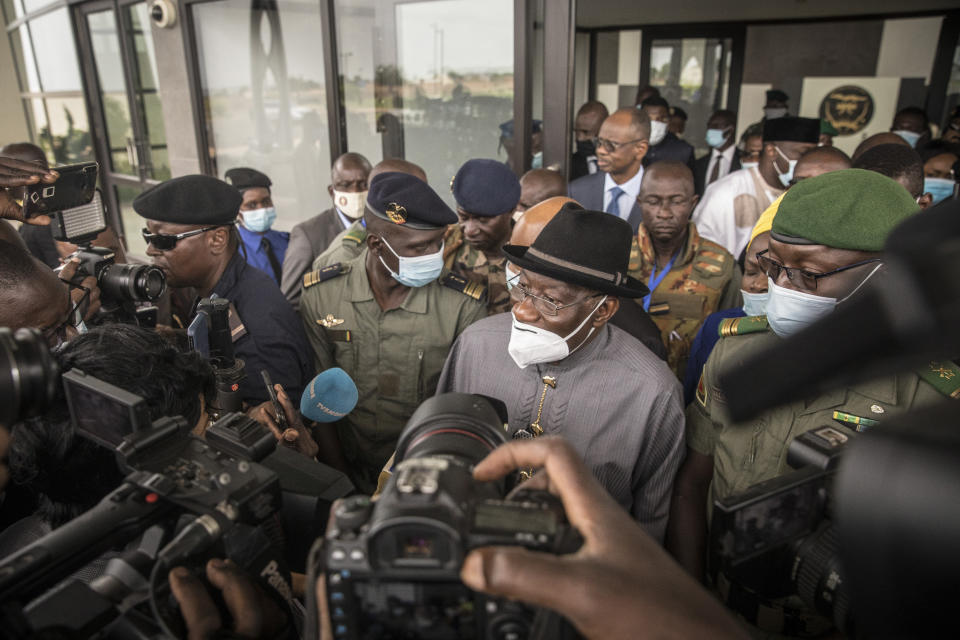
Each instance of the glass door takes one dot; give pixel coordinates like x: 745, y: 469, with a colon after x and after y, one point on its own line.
x: 121, y: 68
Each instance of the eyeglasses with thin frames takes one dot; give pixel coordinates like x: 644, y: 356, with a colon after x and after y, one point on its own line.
x: 519, y: 293
x: 611, y: 146
x: 166, y: 242
x: 801, y: 277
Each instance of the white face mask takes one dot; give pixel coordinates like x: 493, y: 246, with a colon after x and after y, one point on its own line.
x: 772, y: 113
x: 511, y: 274
x: 787, y: 177
x: 533, y: 345
x: 658, y: 131
x: 350, y: 204
x: 749, y: 165
x: 755, y: 304
x: 790, y: 311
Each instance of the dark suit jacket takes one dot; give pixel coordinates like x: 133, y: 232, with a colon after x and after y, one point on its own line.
x: 307, y: 240
x: 588, y: 191
x: 670, y: 148
x: 700, y: 170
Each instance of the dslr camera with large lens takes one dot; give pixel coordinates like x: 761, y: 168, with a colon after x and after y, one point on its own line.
x: 393, y: 565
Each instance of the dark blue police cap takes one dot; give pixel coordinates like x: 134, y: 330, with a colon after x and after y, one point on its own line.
x: 192, y: 199
x: 407, y: 200
x: 506, y: 129
x: 246, y: 178
x: 485, y: 188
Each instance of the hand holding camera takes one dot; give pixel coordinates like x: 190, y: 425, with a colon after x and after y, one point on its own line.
x: 18, y: 173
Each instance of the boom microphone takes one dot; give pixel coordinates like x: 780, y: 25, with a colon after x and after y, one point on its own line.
x: 329, y: 396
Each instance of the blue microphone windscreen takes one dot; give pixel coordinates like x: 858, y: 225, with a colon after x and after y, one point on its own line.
x: 330, y: 396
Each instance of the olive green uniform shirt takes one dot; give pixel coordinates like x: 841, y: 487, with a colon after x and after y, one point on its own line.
x: 394, y: 356
x: 756, y: 450
x: 346, y: 246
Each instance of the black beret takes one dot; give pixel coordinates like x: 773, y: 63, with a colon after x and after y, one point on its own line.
x: 246, y: 178
x: 791, y: 129
x: 407, y: 200
x: 190, y: 200
x: 486, y: 188
x: 777, y: 96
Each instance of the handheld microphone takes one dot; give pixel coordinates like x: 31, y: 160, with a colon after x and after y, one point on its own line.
x: 330, y: 396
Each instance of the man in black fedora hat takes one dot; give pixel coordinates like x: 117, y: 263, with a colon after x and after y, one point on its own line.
x: 562, y: 369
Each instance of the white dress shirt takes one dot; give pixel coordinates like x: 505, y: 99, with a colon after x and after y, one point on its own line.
x: 631, y: 189
x: 725, y: 158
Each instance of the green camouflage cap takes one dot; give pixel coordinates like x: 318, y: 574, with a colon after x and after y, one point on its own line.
x: 849, y: 209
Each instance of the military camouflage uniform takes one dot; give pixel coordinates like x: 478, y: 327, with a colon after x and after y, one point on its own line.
x: 749, y: 452
x: 394, y: 356
x: 462, y: 258
x: 703, y: 279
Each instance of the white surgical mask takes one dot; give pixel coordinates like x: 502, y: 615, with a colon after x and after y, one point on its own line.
x: 790, y: 311
x: 537, y: 161
x: 749, y: 165
x: 511, y: 274
x: 350, y: 204
x: 772, y: 113
x: 658, y: 131
x: 259, y: 220
x: 415, y: 271
x: 755, y: 304
x: 910, y: 136
x: 785, y: 178
x: 715, y: 138
x: 533, y: 345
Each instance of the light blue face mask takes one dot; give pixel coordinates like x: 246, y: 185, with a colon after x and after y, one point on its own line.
x: 715, y: 138
x: 790, y: 311
x: 417, y: 271
x: 786, y: 178
x: 755, y: 304
x: 939, y: 188
x: 259, y: 220
x: 910, y: 136
x: 537, y: 162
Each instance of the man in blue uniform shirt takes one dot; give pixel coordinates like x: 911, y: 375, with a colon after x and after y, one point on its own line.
x: 264, y: 248
x: 191, y: 236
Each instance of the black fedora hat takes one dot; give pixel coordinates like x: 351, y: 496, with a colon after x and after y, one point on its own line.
x: 588, y: 248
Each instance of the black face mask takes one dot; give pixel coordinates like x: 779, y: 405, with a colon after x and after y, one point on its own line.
x: 586, y: 148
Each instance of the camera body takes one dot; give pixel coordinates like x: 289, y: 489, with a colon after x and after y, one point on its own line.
x: 121, y: 285
x: 393, y: 566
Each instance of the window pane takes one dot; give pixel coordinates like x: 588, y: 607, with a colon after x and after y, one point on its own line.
x: 12, y: 10
x: 62, y: 129
x: 427, y: 81
x: 33, y: 5
x: 23, y: 58
x: 265, y: 99
x: 56, y: 54
x: 145, y: 87
x: 105, y: 42
x: 132, y: 222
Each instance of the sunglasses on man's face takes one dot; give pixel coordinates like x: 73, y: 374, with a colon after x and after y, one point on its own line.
x: 166, y: 242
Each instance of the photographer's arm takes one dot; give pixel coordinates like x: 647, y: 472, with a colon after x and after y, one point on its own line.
x: 620, y: 584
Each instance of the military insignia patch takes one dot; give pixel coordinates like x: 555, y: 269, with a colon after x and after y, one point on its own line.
x: 848, y: 108
x: 329, y: 321
x: 702, y: 393
x: 397, y: 213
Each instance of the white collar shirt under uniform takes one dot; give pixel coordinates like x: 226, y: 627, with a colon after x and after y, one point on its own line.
x: 725, y: 158
x: 731, y: 206
x: 631, y: 189
x: 616, y: 402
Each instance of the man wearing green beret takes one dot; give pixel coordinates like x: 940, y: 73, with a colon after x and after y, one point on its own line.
x: 825, y: 245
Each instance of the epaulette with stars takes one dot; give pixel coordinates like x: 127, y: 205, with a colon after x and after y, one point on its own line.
x: 742, y: 326
x: 460, y: 284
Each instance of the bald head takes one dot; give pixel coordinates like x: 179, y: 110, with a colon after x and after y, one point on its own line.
x: 350, y: 162
x: 877, y: 139
x: 532, y: 222
x: 820, y: 160
x: 675, y: 172
x: 25, y: 151
x: 636, y: 121
x: 31, y: 294
x: 396, y: 164
x: 537, y: 185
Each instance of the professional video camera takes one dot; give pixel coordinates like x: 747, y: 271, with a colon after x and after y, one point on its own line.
x: 123, y: 287
x: 392, y: 566
x: 210, y: 336
x: 171, y: 473
x: 778, y: 538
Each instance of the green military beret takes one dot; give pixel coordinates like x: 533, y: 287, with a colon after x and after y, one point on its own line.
x: 848, y: 209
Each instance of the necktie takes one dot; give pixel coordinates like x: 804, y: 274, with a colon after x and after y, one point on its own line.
x: 716, y: 169
x: 614, y: 206
x: 272, y: 257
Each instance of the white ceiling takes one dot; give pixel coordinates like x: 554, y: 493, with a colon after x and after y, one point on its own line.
x: 605, y: 13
